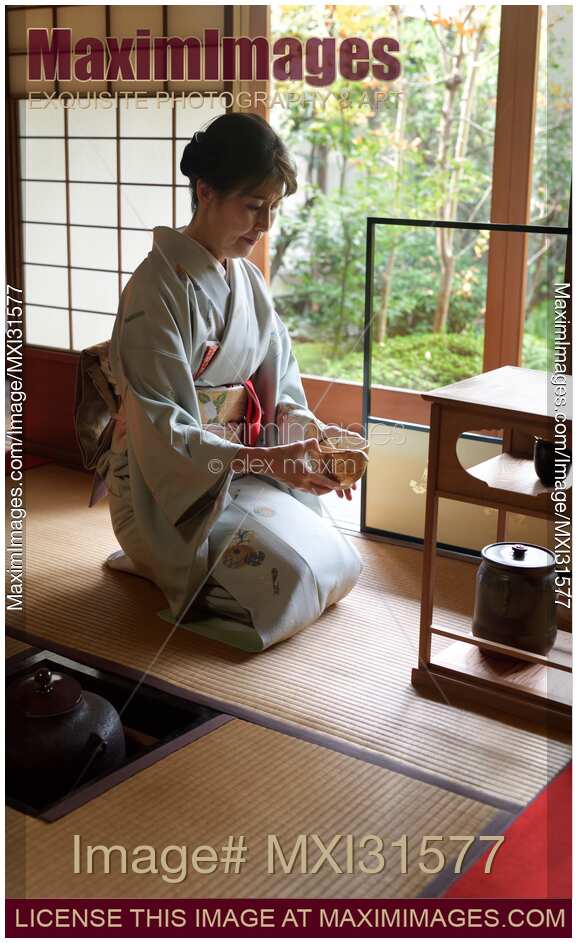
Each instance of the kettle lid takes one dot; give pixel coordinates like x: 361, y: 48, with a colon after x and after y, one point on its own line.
x: 519, y: 556
x: 46, y: 693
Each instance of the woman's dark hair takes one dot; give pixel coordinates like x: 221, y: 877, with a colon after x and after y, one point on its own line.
x: 237, y: 152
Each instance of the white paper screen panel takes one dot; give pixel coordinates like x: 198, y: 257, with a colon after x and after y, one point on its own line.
x: 145, y: 118
x: 92, y: 119
x: 146, y: 161
x: 45, y: 244
x: 183, y: 206
x: 93, y: 204
x: 135, y: 248
x: 93, y: 248
x: 145, y: 207
x: 18, y: 79
x: 94, y: 291
x: 193, y: 114
x: 44, y: 285
x: 104, y: 176
x: 47, y: 327
x: 124, y: 21
x: 86, y: 20
x: 18, y: 22
x: 192, y: 20
x: 43, y: 202
x: 89, y: 329
x: 396, y: 485
x: 40, y: 122
x: 92, y: 160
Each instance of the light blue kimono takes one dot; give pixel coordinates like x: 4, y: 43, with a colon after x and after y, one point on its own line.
x: 177, y: 508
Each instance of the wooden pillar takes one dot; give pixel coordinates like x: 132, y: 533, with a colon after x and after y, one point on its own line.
x: 512, y: 173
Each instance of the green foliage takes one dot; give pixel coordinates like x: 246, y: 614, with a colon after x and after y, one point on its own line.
x: 418, y: 361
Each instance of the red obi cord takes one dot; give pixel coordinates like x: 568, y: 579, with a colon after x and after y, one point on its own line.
x: 253, y: 417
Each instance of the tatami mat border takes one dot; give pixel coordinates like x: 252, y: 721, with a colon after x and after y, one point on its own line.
x: 272, y: 723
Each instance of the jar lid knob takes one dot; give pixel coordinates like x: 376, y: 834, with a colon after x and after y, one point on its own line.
x: 519, y: 551
x: 43, y: 679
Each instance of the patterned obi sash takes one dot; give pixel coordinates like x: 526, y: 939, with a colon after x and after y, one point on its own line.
x: 233, y: 412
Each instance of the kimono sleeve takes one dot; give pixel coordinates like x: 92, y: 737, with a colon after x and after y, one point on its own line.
x: 185, y: 467
x: 293, y: 416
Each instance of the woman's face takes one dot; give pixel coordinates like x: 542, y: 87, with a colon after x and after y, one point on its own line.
x: 234, y: 223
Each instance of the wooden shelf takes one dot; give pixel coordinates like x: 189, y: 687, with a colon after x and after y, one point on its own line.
x: 518, y: 677
x: 508, y: 473
x: 488, y: 675
x: 559, y: 657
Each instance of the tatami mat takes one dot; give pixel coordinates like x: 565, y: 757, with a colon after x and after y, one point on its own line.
x: 14, y: 647
x: 348, y: 676
x: 245, y: 780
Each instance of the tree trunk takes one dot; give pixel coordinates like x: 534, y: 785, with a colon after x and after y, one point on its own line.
x: 445, y: 237
x: 400, y: 123
x: 338, y: 334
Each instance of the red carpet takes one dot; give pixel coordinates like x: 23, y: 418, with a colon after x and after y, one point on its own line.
x: 534, y: 861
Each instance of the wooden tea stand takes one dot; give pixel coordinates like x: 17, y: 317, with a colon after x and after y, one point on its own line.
x: 521, y: 683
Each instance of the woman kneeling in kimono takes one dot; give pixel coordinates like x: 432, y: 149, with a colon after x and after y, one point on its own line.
x: 211, y: 493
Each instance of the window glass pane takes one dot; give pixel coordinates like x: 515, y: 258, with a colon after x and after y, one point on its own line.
x: 146, y: 207
x: 545, y: 270
x: 194, y: 113
x: 551, y: 184
x: 94, y: 291
x: 93, y: 248
x: 89, y: 329
x: 93, y: 204
x: 44, y: 202
x: 94, y: 121
x: 551, y: 181
x: 44, y: 285
x: 420, y: 147
x: 143, y: 162
x: 145, y: 118
x: 47, y: 327
x: 135, y: 248
x: 42, y: 160
x: 45, y: 244
x: 92, y: 160
x: 35, y: 119
x: 183, y: 206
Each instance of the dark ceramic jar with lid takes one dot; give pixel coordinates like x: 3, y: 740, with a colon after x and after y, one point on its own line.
x: 515, y: 596
x: 57, y: 736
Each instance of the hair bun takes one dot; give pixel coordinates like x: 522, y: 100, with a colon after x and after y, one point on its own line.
x: 191, y: 157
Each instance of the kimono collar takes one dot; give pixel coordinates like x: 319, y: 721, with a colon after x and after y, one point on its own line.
x: 185, y: 254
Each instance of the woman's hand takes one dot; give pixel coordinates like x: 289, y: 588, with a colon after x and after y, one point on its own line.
x: 292, y: 464
x: 346, y: 492
x: 330, y: 432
